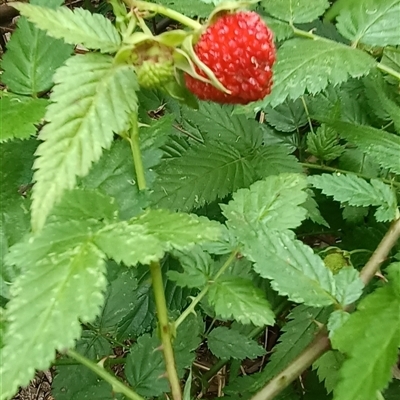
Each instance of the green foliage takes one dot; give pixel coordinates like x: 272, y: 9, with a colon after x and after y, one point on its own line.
x: 370, y: 22
x: 328, y: 367
x: 79, y: 26
x: 370, y: 352
x: 324, y: 144
x: 197, y: 8
x: 358, y: 192
x: 227, y: 343
x: 27, y: 67
x: 75, y: 136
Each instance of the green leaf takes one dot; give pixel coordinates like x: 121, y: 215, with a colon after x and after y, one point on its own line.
x: 20, y: 114
x: 273, y: 202
x: 391, y: 59
x: 237, y: 298
x: 381, y: 146
x: 313, y: 212
x: 327, y: 63
x: 371, y: 22
x: 227, y: 343
x: 349, y: 286
x: 49, y: 301
x: 294, y: 270
x: 370, y: 352
x: 76, y: 135
x: 28, y: 69
x: 79, y: 26
x: 328, y: 367
x: 282, y: 30
x: 336, y: 321
x: 324, y: 143
x: 296, y: 11
x: 356, y: 191
x: 194, y: 9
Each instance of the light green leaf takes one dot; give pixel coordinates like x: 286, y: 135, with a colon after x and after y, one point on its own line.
x: 380, y: 145
x: 239, y: 299
x: 355, y: 191
x: 349, y: 286
x: 227, y: 343
x: 273, y: 202
x: 324, y: 143
x: 79, y: 26
x: 92, y: 99
x: 327, y: 63
x: 371, y: 22
x: 336, y: 320
x: 28, y: 69
x: 198, y: 8
x: 296, y: 11
x: 294, y: 270
x: 312, y: 209
x: 19, y: 116
x: 328, y: 367
x: 391, y: 59
x: 282, y: 30
x: 370, y: 352
x: 49, y: 301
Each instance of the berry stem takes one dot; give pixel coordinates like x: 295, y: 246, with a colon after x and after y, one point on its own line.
x: 137, y: 156
x: 167, y: 12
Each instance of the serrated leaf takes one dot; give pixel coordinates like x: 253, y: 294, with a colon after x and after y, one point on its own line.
x: 19, y: 116
x: 28, y: 69
x: 78, y: 132
x: 336, y: 320
x: 312, y: 209
x: 328, y: 367
x: 391, y: 59
x: 45, y: 316
x: 227, y: 343
x: 349, y: 286
x: 328, y: 63
x: 295, y: 271
x: 356, y: 191
x: 371, y: 22
x: 239, y: 299
x: 324, y: 143
x: 282, y: 30
x: 77, y: 26
x: 370, y: 352
x: 273, y: 202
x: 204, y: 173
x: 199, y: 8
x: 296, y: 11
x: 381, y: 146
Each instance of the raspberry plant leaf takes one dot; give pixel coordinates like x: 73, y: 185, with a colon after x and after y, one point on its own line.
x: 324, y: 143
x: 328, y: 367
x: 295, y: 11
x: 75, y: 27
x: 370, y: 22
x: 27, y: 68
x: 75, y: 136
x: 237, y: 298
x: 20, y: 115
x: 356, y: 191
x: 228, y: 343
x: 197, y: 8
x: 376, y: 352
x: 329, y: 63
x: 349, y: 286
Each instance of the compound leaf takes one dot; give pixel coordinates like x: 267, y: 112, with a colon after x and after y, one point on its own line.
x: 375, y: 23
x: 227, y: 343
x: 92, y: 99
x: 370, y: 352
x: 324, y: 143
x: 77, y: 26
x: 237, y: 298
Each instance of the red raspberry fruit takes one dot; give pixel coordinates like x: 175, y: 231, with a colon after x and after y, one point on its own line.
x: 239, y: 49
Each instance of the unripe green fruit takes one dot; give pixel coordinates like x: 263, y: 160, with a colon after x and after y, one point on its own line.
x: 335, y: 262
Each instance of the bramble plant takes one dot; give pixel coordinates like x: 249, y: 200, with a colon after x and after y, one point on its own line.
x: 142, y: 228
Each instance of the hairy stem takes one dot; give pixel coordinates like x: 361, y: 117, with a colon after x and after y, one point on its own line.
x: 137, y: 155
x: 117, y: 385
x: 167, y: 12
x: 321, y: 343
x: 165, y: 330
x: 200, y: 296
x: 389, y: 70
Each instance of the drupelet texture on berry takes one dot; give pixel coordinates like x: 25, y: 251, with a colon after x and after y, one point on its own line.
x: 240, y: 51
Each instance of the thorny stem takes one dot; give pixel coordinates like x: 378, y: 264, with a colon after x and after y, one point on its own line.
x: 167, y: 12
x: 341, y: 171
x: 137, y: 156
x: 117, y: 385
x: 190, y: 309
x: 321, y: 343
x: 165, y: 330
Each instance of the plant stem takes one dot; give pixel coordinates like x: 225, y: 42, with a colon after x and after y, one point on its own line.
x: 137, y: 156
x: 389, y: 70
x: 165, y: 330
x: 190, y: 309
x: 117, y: 385
x: 321, y: 343
x: 341, y: 171
x: 167, y: 12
